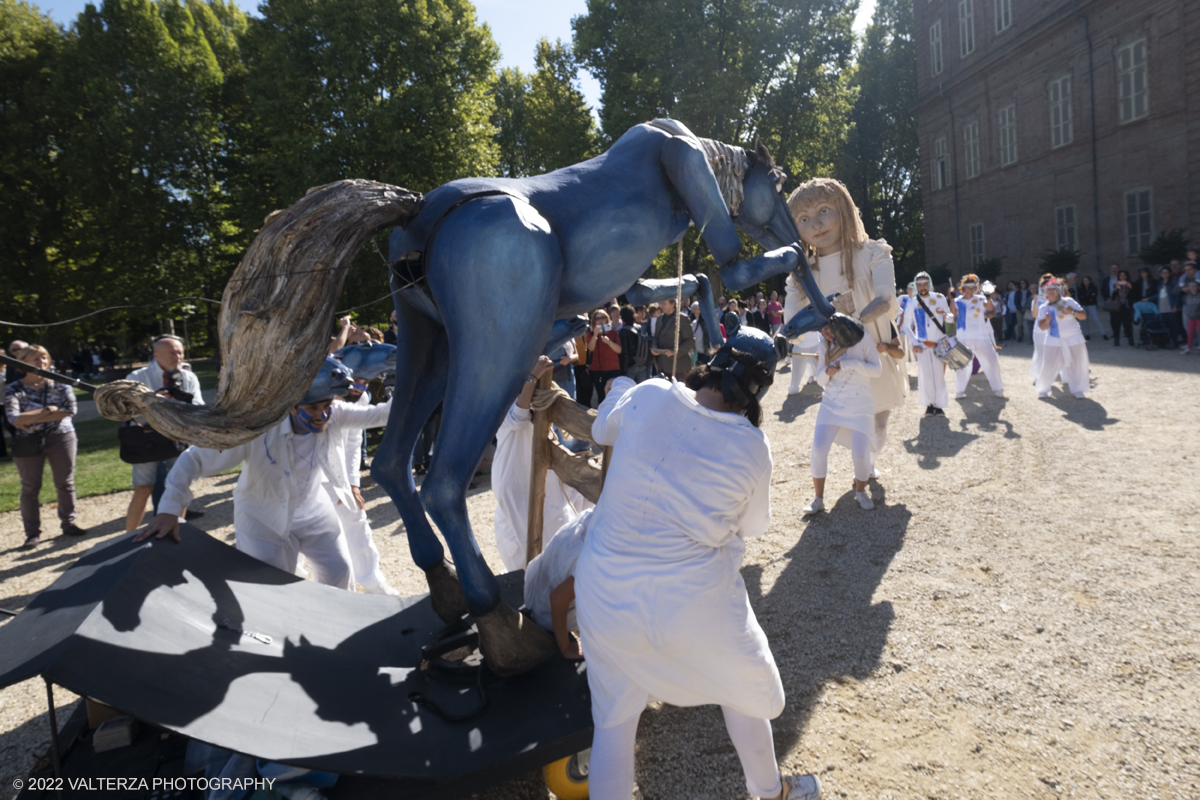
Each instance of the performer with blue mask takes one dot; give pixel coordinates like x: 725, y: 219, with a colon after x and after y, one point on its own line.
x: 293, y: 477
x: 925, y: 316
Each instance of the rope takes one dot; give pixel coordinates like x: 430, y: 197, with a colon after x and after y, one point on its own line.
x: 387, y: 296
x: 544, y: 398
x: 678, y: 312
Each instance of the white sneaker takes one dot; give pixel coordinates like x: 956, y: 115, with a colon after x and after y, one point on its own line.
x: 801, y: 787
x: 960, y: 396
x: 817, y: 505
x: 1079, y: 395
x: 1043, y: 394
x: 875, y: 472
x: 1000, y: 395
x: 864, y: 500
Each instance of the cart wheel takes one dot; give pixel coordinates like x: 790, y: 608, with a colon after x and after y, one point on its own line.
x: 568, y: 777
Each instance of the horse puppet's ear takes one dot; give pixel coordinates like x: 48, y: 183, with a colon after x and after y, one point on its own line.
x: 762, y: 154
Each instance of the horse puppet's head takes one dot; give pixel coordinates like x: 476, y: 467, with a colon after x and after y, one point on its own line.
x: 763, y: 211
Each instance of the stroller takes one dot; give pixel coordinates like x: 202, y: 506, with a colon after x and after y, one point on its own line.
x: 1154, y: 334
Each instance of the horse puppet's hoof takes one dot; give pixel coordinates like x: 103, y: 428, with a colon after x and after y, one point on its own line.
x: 512, y: 643
x: 445, y: 592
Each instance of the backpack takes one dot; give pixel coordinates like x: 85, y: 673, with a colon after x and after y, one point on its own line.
x: 645, y: 341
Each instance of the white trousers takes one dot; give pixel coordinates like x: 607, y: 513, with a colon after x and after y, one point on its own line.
x: 989, y: 365
x: 804, y: 368
x: 610, y: 770
x: 1054, y: 360
x: 931, y: 380
x: 360, y: 544
x: 860, y: 452
x: 321, y: 541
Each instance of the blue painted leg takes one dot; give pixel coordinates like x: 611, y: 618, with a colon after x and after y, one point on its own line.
x: 491, y: 252
x: 422, y: 365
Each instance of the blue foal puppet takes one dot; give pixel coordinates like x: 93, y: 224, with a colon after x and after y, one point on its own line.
x: 487, y: 274
x: 492, y: 272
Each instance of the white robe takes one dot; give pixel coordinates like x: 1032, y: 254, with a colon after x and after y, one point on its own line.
x: 554, y: 565
x: 874, y: 276
x: 847, y: 403
x: 919, y: 328
x: 662, y: 607
x: 975, y: 331
x: 1064, y: 349
x: 511, y: 469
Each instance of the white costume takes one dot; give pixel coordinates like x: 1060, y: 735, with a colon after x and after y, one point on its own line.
x: 847, y: 408
x: 975, y: 331
x: 554, y: 565
x: 920, y: 329
x: 1064, y: 350
x: 874, y: 276
x: 284, y: 502
x: 662, y: 606
x: 511, y: 470
x: 1039, y: 339
x: 364, y: 556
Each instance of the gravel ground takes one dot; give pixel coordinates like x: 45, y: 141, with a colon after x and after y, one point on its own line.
x: 1018, y: 617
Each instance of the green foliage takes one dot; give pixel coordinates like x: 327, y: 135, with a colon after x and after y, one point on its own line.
x: 989, y: 269
x: 880, y: 163
x: 542, y: 121
x: 1059, y: 262
x: 729, y: 70
x: 1166, y: 247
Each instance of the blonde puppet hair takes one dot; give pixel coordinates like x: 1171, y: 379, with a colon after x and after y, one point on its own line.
x: 818, y: 191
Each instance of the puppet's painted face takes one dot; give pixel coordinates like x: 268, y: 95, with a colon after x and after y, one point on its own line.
x: 821, y: 227
x: 763, y: 213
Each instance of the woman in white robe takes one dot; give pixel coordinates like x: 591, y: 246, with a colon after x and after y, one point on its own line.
x: 846, y: 416
x: 512, y: 467
x: 1064, y: 349
x: 661, y: 605
x: 844, y: 260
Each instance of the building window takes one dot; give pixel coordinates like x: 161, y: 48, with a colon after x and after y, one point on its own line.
x: 966, y: 27
x: 971, y: 146
x: 1060, y: 112
x: 941, y: 164
x: 1064, y: 225
x: 1137, y: 220
x: 935, y: 48
x: 1003, y: 15
x: 1007, y: 124
x: 976, y: 245
x: 1131, y: 81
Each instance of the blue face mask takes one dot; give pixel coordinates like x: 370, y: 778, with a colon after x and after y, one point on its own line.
x: 307, y: 420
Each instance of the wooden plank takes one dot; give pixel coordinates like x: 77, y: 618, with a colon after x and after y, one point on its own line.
x: 573, y: 418
x: 575, y: 471
x: 537, y: 477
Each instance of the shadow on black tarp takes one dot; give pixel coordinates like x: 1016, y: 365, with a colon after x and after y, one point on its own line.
x: 157, y: 631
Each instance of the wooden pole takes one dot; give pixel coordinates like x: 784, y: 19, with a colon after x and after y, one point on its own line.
x: 537, y: 477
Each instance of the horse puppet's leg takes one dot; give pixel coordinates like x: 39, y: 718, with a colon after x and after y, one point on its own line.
x: 422, y: 366
x: 495, y: 271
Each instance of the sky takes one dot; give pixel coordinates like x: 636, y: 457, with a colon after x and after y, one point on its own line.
x: 516, y: 26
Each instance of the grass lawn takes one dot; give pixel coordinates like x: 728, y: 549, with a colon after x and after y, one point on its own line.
x: 98, y: 469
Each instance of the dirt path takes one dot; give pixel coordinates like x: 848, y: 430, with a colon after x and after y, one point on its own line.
x: 1019, y: 617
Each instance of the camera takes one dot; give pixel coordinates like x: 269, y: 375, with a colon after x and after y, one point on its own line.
x: 174, y: 388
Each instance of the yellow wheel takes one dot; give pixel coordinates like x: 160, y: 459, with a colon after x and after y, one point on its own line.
x: 568, y: 777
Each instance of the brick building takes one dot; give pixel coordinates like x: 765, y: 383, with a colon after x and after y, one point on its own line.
x: 1053, y: 123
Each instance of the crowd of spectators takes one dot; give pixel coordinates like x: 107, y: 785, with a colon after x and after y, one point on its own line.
x: 1157, y: 300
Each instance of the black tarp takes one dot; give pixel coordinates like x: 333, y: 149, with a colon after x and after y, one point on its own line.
x: 139, y: 627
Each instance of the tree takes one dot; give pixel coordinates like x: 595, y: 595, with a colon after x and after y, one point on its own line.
x: 542, y: 121
x: 1168, y: 246
x: 1060, y: 261
x: 399, y: 92
x: 880, y: 163
x: 730, y: 70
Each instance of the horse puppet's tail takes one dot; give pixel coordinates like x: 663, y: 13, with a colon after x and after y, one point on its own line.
x: 275, y: 315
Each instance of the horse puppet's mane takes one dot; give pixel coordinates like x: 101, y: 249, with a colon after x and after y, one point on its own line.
x: 729, y: 165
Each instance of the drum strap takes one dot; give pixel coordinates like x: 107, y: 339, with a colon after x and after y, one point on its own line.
x: 929, y: 314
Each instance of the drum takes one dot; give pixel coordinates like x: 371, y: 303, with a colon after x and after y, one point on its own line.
x: 953, y: 353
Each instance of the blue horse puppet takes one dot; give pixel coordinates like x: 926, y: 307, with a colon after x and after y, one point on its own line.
x: 493, y: 272
x: 368, y: 360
